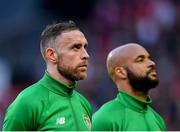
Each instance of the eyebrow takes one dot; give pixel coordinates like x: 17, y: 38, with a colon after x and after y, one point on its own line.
x: 80, y: 44
x: 142, y: 56
x: 138, y: 57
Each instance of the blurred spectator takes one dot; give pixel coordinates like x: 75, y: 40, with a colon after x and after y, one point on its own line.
x: 5, y: 82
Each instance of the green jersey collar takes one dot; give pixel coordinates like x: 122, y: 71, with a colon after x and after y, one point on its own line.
x: 133, y: 102
x: 57, y: 86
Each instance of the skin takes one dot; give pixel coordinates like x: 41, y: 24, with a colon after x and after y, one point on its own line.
x: 70, y: 54
x: 137, y: 59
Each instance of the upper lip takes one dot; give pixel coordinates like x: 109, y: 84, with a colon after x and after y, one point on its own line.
x: 152, y: 70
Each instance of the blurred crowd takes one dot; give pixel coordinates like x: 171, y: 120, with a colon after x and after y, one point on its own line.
x: 155, y: 24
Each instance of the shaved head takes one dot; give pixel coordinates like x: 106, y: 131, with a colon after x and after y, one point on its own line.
x: 131, y: 64
x: 119, y: 56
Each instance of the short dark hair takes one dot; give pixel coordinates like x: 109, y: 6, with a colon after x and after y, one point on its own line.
x: 49, y: 34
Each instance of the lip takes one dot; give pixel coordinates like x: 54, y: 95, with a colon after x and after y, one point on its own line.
x: 153, y: 73
x: 83, y: 65
x: 83, y: 68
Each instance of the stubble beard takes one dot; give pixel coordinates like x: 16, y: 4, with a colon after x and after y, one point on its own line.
x: 70, y: 73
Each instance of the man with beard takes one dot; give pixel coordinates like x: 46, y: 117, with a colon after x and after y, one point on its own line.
x: 52, y: 104
x: 134, y: 74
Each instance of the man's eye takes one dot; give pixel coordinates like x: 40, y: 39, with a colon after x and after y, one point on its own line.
x: 76, y: 46
x: 140, y: 60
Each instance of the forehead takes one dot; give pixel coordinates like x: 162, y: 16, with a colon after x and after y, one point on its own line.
x: 137, y: 51
x: 74, y: 36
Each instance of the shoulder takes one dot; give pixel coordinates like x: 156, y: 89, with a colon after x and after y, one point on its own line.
x: 157, y: 115
x: 159, y: 119
x: 26, y: 109
x: 109, y: 116
x: 31, y: 96
x: 111, y: 106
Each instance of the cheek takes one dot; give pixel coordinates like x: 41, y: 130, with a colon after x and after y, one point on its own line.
x: 67, y: 60
x: 139, y: 70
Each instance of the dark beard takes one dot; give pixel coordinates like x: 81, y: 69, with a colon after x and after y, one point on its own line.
x: 67, y: 73
x: 141, y: 83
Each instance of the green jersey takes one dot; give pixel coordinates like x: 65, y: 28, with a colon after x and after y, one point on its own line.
x: 127, y: 113
x: 48, y: 105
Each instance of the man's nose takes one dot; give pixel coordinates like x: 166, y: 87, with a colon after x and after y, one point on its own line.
x: 151, y: 63
x: 84, y: 54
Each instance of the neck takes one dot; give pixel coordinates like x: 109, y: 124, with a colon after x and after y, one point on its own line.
x: 139, y: 94
x: 54, y: 72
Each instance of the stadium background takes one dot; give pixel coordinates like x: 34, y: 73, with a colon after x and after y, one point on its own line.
x: 107, y: 23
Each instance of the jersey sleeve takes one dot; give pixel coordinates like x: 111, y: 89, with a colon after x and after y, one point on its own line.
x: 19, y: 116
x: 110, y: 117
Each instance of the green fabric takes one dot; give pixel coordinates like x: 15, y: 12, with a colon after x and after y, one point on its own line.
x: 48, y: 105
x: 127, y: 113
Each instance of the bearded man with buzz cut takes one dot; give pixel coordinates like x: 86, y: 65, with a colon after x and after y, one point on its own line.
x: 52, y: 104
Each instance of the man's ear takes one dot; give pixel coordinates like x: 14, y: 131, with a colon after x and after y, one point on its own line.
x: 51, y: 55
x: 121, y: 72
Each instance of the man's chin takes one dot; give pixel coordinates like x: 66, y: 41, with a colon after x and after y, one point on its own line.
x: 82, y: 75
x: 154, y: 83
